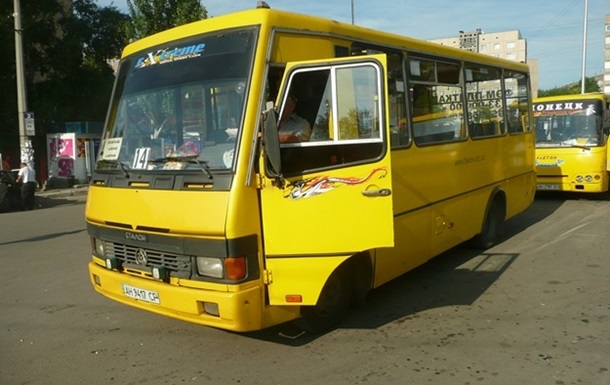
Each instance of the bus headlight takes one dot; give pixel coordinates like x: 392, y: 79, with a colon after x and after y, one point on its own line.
x: 579, y: 178
x: 210, y: 267
x: 588, y: 179
x: 99, y: 247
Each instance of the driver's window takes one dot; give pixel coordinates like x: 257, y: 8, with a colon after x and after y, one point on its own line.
x: 339, y: 120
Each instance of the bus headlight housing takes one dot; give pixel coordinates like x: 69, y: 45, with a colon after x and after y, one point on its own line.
x: 579, y: 178
x: 99, y: 249
x: 210, y: 267
x: 233, y: 268
x: 588, y: 179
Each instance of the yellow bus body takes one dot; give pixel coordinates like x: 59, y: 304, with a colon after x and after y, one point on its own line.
x: 577, y: 159
x: 376, y: 217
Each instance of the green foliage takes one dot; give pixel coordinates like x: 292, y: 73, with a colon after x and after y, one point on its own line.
x: 101, y: 31
x: 65, y: 51
x: 572, y: 89
x: 152, y: 16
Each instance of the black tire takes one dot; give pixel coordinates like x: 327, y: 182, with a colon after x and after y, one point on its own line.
x: 331, y: 308
x: 493, y: 228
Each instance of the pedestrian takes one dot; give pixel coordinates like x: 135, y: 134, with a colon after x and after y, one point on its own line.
x: 27, y: 176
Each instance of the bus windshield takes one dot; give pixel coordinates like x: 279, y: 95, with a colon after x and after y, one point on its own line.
x: 180, y: 106
x: 569, y: 123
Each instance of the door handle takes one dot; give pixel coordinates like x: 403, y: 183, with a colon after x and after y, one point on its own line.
x: 384, y: 192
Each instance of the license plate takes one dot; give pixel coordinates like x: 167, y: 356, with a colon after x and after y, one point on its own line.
x: 141, y: 294
x: 548, y: 187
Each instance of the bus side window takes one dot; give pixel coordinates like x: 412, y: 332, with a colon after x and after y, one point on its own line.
x: 516, y: 101
x: 436, y: 101
x: 485, y: 101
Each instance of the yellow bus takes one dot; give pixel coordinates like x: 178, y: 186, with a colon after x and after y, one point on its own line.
x: 197, y: 211
x: 572, y: 142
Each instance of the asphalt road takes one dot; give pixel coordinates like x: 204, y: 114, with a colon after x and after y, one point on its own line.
x: 533, y: 310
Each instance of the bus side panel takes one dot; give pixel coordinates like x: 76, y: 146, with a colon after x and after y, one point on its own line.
x: 411, y: 247
x: 441, y: 193
x: 520, y: 192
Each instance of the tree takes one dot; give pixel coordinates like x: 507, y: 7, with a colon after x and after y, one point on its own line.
x: 101, y: 32
x: 66, y: 71
x: 41, y: 34
x: 152, y: 16
x: 76, y: 80
x: 591, y: 85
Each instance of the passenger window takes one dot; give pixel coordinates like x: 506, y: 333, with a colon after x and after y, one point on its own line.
x: 436, y: 101
x: 517, y: 115
x: 485, y: 101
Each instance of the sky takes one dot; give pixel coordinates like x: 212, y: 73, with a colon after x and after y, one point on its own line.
x: 554, y: 29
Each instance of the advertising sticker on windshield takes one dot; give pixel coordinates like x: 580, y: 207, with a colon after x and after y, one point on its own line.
x: 111, y: 149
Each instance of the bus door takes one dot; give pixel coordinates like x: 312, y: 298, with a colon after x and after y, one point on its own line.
x: 326, y: 194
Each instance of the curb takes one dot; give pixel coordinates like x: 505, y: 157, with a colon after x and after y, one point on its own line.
x: 68, y: 192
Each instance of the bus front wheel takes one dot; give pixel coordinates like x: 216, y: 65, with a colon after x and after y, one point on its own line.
x: 332, y: 305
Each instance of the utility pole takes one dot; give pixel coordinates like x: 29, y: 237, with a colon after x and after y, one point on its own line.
x: 352, y: 12
x: 24, y: 141
x: 584, y: 49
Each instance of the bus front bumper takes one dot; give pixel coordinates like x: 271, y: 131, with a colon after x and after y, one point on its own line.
x: 236, y: 311
x: 597, y: 184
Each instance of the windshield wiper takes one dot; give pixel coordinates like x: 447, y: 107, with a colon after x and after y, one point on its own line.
x: 580, y: 146
x: 119, y: 163
x: 191, y: 159
x: 572, y: 143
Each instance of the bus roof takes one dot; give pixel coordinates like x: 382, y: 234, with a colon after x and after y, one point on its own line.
x: 311, y: 24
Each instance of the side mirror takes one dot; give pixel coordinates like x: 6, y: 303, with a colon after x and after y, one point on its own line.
x: 271, y: 142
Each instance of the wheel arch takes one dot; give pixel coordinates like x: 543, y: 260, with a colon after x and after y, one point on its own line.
x: 360, y: 269
x: 496, y: 197
x: 493, y: 220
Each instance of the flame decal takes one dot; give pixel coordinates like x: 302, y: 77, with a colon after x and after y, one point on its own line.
x: 323, y: 184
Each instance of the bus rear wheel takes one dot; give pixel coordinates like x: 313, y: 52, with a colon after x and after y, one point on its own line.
x: 493, y: 227
x: 332, y: 305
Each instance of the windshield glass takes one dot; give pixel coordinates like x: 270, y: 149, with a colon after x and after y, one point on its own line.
x: 180, y: 106
x: 568, y: 123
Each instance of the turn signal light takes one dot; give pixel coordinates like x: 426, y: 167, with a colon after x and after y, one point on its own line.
x: 235, y: 268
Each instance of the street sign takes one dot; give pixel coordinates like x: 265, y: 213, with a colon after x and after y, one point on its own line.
x: 29, y: 124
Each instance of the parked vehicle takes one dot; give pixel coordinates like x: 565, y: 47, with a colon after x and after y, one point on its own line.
x: 10, y: 196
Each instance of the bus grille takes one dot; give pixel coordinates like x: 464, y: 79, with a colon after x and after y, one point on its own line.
x: 131, y: 259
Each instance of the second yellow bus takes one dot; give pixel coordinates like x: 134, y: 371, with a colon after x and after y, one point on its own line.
x: 572, y: 143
